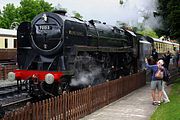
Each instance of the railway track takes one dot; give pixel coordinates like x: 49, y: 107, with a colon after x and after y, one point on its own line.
x: 14, y: 105
x: 11, y: 98
x: 9, y: 92
x: 11, y: 106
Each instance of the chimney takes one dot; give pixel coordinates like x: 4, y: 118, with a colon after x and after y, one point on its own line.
x: 61, y: 12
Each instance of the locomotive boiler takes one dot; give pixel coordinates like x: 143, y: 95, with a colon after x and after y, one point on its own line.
x: 54, y: 51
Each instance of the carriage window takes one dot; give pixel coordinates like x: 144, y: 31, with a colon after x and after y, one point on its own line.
x: 165, y: 47
x: 6, y: 43
x: 158, y: 47
x: 155, y: 45
x: 161, y: 47
x: 168, y: 48
x: 15, y: 43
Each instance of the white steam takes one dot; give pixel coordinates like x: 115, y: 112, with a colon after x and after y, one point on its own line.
x: 131, y: 12
x: 86, y: 78
x: 135, y: 12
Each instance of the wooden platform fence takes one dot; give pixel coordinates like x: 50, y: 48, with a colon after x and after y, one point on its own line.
x: 77, y: 104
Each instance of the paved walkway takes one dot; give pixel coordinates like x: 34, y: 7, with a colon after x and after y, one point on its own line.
x: 135, y: 106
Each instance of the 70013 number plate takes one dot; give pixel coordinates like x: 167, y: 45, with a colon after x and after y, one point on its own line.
x: 45, y: 27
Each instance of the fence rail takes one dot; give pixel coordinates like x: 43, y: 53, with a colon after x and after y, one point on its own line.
x: 77, y: 104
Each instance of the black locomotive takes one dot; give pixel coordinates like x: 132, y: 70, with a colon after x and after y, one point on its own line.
x: 54, y: 51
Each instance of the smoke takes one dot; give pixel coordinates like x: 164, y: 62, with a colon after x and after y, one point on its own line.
x: 136, y: 12
x: 86, y: 78
x: 87, y: 71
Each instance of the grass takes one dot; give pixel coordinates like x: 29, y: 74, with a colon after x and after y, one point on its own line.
x: 170, y: 111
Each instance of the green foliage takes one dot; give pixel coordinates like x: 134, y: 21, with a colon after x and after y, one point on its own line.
x: 138, y: 29
x: 174, y: 17
x: 8, y: 16
x: 170, y: 111
x: 77, y: 15
x: 122, y: 24
x: 148, y: 32
x: 30, y: 8
x: 170, y: 11
x: 27, y: 10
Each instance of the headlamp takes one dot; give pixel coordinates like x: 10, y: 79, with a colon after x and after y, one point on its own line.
x: 49, y: 78
x: 11, y: 76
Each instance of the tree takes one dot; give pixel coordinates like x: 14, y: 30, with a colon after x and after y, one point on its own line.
x: 170, y: 12
x: 8, y: 16
x: 148, y: 32
x: 30, y: 8
x: 173, y: 18
x: 27, y: 10
x: 77, y: 15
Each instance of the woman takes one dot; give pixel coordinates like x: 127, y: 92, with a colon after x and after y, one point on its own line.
x: 156, y: 81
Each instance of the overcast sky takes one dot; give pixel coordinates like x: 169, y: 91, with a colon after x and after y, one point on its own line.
x: 108, y: 11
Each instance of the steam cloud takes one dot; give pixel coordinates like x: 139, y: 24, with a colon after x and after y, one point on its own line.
x: 131, y: 12
x: 86, y: 78
x: 134, y: 12
x: 87, y: 72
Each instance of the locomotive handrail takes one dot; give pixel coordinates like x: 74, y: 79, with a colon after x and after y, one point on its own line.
x: 28, y: 48
x: 104, y: 49
x: 109, y: 38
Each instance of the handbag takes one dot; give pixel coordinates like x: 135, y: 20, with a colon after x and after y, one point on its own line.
x: 159, y: 74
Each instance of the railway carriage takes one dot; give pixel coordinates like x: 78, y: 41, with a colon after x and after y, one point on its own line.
x: 163, y: 46
x: 8, y: 45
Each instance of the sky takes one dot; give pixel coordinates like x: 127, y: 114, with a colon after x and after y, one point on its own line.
x: 109, y: 11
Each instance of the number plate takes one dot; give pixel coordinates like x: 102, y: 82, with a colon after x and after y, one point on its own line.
x: 45, y: 27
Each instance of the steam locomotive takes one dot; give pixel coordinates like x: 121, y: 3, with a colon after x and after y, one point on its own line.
x: 56, y: 52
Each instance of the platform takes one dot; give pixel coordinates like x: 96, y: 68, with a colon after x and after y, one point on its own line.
x: 135, y: 106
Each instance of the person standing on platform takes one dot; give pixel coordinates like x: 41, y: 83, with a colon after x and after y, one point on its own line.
x: 154, y: 55
x: 156, y: 80
x: 164, y: 57
x: 167, y: 60
x: 166, y: 79
x: 177, y: 58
